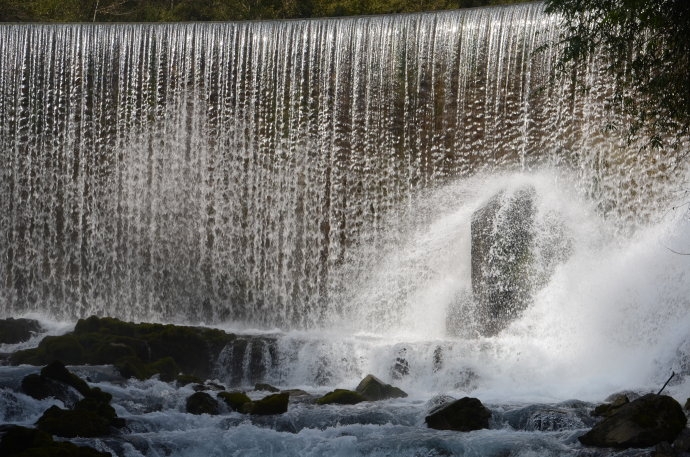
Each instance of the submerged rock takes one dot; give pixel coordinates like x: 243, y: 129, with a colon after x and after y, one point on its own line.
x: 272, y: 404
x: 341, y: 397
x: 13, y: 331
x: 21, y: 441
x: 462, y: 415
x: 373, y: 389
x: 202, y: 403
x: 644, y: 422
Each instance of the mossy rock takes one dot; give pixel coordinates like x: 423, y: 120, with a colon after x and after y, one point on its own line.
x: 64, y: 347
x: 373, y: 389
x: 272, y: 404
x: 341, y: 397
x: 234, y: 400
x: 265, y: 387
x: 54, y: 380
x: 13, y: 331
x: 202, y: 403
x: 138, y: 350
x: 70, y: 424
x: 57, y: 371
x: 644, y: 422
x: 92, y: 416
x: 166, y: 368
x: 27, y: 442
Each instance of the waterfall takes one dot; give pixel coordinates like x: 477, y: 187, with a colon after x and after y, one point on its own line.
x: 224, y: 172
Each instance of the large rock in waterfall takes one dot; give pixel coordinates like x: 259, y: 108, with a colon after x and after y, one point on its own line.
x: 515, y: 249
x: 644, y: 422
x: 462, y: 415
x: 502, y: 237
x: 372, y: 388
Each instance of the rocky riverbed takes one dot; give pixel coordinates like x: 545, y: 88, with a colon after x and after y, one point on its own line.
x: 109, y: 387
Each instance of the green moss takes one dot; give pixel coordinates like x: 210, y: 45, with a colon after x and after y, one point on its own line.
x: 166, y: 368
x: 234, y: 400
x: 272, y: 404
x: 341, y: 397
x: 202, y: 403
x: 138, y: 350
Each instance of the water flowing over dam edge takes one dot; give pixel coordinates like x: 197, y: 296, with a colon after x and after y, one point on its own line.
x: 264, y: 172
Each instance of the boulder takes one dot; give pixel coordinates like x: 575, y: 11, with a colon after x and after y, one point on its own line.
x: 21, y: 441
x: 202, y: 403
x: 341, y: 397
x: 137, y: 350
x: 13, y: 331
x: 55, y: 381
x: 462, y: 415
x: 91, y: 417
x: 644, y: 422
x: 234, y: 400
x: 272, y: 404
x: 373, y: 389
x: 502, y: 233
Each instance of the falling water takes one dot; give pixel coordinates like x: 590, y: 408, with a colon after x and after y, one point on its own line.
x: 242, y: 171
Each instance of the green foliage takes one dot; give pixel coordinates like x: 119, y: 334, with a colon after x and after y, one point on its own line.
x: 214, y: 10
x: 648, y: 53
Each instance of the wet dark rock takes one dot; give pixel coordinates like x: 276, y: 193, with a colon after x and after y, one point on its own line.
x: 137, y: 350
x: 272, y: 404
x: 502, y: 233
x: 341, y: 397
x: 92, y: 416
x: 13, y: 331
x: 644, y: 422
x: 202, y: 403
x: 682, y: 441
x: 462, y: 415
x: 686, y: 407
x: 265, y: 387
x: 55, y: 381
x: 234, y: 400
x: 373, y: 389
x: 664, y: 449
x: 25, y: 442
x: 609, y: 409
